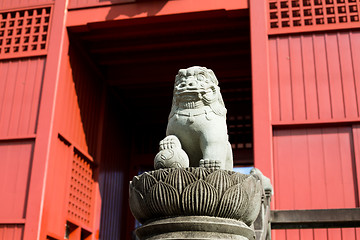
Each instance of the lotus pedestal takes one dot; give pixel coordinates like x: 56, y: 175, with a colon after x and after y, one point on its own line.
x: 195, y: 203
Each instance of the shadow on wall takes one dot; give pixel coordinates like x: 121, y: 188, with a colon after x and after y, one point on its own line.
x: 130, y: 9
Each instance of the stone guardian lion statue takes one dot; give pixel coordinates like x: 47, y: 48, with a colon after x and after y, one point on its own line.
x: 198, y: 120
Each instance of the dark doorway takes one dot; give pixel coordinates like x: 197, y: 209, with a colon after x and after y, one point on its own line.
x: 138, y: 60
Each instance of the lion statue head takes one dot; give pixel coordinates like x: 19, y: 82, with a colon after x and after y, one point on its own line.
x: 196, y: 87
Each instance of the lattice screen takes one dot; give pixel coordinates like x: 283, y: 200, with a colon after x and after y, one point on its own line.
x: 80, y: 196
x: 24, y: 32
x: 310, y: 15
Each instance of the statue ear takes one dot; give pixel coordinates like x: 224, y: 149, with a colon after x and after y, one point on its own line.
x: 212, y: 76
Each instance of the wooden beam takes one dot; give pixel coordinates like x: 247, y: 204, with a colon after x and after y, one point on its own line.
x: 177, y: 43
x: 240, y: 54
x: 158, y: 30
x: 147, y: 9
x: 318, y: 218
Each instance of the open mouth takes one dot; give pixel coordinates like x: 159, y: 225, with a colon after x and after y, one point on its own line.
x: 191, y: 91
x: 188, y: 95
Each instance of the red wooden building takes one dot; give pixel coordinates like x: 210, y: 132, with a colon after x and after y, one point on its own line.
x: 79, y: 77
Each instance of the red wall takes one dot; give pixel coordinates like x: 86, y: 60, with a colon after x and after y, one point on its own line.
x: 5, y: 4
x: 306, y: 106
x: 20, y: 91
x: 314, y: 169
x: 314, y: 77
x: 74, y: 152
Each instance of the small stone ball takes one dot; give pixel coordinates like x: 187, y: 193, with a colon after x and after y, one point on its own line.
x: 171, y: 158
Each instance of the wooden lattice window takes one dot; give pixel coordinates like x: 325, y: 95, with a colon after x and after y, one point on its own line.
x: 81, y: 187
x: 24, y: 32
x: 240, y: 136
x: 312, y: 15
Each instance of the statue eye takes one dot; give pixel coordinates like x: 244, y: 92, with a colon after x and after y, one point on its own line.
x: 200, y: 77
x: 181, y: 80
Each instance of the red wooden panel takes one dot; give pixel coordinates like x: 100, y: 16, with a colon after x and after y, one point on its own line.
x: 45, y: 123
x: 297, y: 78
x: 348, y: 234
x: 314, y: 77
x: 274, y: 80
x: 293, y: 234
x: 6, y: 4
x: 320, y: 234
x: 56, y: 194
x: 309, y: 72
x: 87, y: 3
x: 284, y: 182
x: 78, y: 104
x: 288, y: 184
x: 19, y: 96
x: 278, y: 234
x: 356, y: 136
x: 285, y: 85
x: 306, y: 234
x: 345, y: 139
x: 317, y: 172
x: 347, y: 75
x: 355, y: 56
x: 70, y: 196
x: 334, y: 234
x: 11, y: 231
x: 314, y: 169
x: 311, y: 165
x: 15, y: 166
x: 301, y: 166
x: 321, y: 70
x: 335, y: 81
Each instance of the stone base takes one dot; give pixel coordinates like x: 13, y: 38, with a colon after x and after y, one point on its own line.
x: 195, y: 227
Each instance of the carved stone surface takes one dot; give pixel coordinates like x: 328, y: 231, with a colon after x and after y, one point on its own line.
x: 197, y: 192
x: 198, y: 120
x: 195, y: 227
x: 171, y: 155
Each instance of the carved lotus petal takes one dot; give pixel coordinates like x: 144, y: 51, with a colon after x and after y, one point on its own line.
x: 138, y: 206
x: 160, y: 174
x: 220, y: 179
x: 135, y: 182
x: 199, y: 198
x: 253, y: 191
x: 238, y: 177
x: 180, y: 178
x: 200, y: 173
x: 231, y: 202
x: 163, y: 200
x: 145, y: 182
